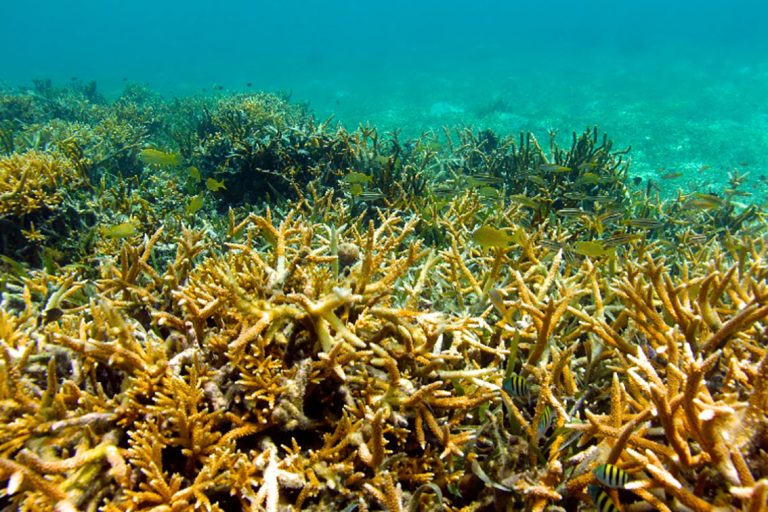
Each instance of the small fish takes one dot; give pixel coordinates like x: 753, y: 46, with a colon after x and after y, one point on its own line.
x: 444, y: 191
x: 194, y: 204
x: 554, y: 168
x: 479, y: 180
x: 588, y: 166
x: 151, y: 156
x: 600, y: 199
x: 371, y: 196
x: 497, y: 299
x: 545, y: 421
x: 488, y: 192
x: 589, y: 178
x: 575, y: 196
x: 488, y: 236
x: 423, y: 146
x: 194, y: 173
x: 643, y: 223
x: 620, y: 239
x: 249, y: 84
x: 705, y: 202
x: 356, y: 189
x: 592, y: 249
x: 538, y: 180
x: 520, y: 237
x: 601, y: 499
x: 698, y: 239
x: 571, y: 212
x: 551, y: 245
x: 611, y: 476
x: 50, y: 315
x: 672, y: 175
x: 610, y: 217
x: 737, y: 193
x: 214, y: 185
x: 524, y: 200
x: 516, y: 386
x: 356, y: 177
x: 122, y: 230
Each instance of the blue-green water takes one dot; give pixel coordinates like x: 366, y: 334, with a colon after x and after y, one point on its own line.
x: 685, y: 83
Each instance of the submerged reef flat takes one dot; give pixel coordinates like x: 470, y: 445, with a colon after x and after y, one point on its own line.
x: 224, y: 304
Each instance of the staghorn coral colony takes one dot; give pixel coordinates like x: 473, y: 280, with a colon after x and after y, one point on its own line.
x: 223, y: 304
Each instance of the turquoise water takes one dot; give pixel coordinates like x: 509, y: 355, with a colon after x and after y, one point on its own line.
x: 684, y: 84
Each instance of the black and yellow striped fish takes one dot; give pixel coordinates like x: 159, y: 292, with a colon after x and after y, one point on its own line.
x: 545, y: 421
x: 611, y: 476
x: 516, y: 386
x: 600, y: 498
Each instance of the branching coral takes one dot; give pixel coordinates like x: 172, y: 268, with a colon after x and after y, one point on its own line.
x: 333, y: 355
x: 31, y: 181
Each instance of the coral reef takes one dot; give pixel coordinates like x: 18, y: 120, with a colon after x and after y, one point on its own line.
x: 456, y: 322
x: 32, y: 181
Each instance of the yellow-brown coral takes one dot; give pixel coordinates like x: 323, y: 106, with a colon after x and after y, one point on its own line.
x: 31, y: 181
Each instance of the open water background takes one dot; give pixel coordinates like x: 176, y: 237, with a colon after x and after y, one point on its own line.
x: 685, y: 83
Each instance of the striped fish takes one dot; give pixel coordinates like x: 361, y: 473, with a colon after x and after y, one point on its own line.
x: 552, y: 245
x: 571, y: 212
x: 611, y: 476
x: 620, y: 239
x: 600, y: 498
x: 516, y: 386
x: 370, y: 196
x: 643, y: 223
x: 578, y: 196
x: 545, y: 421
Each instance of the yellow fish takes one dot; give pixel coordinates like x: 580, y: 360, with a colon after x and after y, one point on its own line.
x: 194, y: 173
x: 194, y: 204
x: 214, y: 185
x: 611, y: 476
x: 357, y: 177
x: 151, y: 156
x: 705, y: 202
x: 356, y: 189
x: 592, y: 249
x: 554, y: 168
x: 488, y: 192
x: 122, y: 230
x: 520, y: 237
x: 589, y: 178
x: 524, y: 200
x: 481, y: 180
x: 487, y: 237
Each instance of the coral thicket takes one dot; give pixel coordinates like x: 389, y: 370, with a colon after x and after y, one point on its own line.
x: 457, y: 322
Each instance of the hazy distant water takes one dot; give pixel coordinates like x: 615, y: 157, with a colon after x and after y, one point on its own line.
x: 686, y: 84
